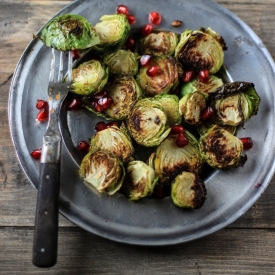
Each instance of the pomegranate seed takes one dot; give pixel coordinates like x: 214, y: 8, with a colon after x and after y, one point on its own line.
x: 42, y: 104
x: 204, y: 76
x: 152, y: 71
x: 83, y: 146
x: 101, y: 125
x: 188, y: 76
x: 122, y: 9
x: 247, y: 142
x: 154, y: 17
x: 147, y: 29
x: 177, y: 129
x: 111, y: 124
x: 207, y: 113
x: 182, y: 140
x: 76, y: 54
x: 130, y: 44
x: 145, y: 60
x: 74, y: 104
x: 42, y: 116
x: 36, y: 154
x: 105, y: 102
x: 98, y: 107
x: 131, y: 19
x: 99, y: 95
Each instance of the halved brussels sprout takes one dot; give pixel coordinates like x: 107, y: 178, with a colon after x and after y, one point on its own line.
x: 125, y: 92
x: 115, y: 140
x: 171, y: 160
x: 188, y: 191
x: 88, y: 78
x: 122, y: 62
x: 147, y: 123
x: 220, y: 149
x: 69, y: 32
x: 170, y: 104
x: 201, y: 50
x: 159, y: 44
x: 113, y: 31
x: 139, y: 181
x: 167, y: 78
x: 191, y: 107
x: 102, y: 170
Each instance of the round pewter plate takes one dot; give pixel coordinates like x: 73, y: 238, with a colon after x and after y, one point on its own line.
x: 150, y: 221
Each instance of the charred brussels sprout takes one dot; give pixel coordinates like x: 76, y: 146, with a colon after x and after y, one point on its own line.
x: 188, y: 191
x: 167, y: 77
x: 200, y: 50
x: 122, y: 62
x: 115, y: 140
x: 139, y: 181
x: 147, y: 123
x: 102, y: 170
x: 159, y: 44
x: 220, y: 149
x: 88, y: 78
x: 113, y: 31
x: 69, y: 32
x: 125, y: 92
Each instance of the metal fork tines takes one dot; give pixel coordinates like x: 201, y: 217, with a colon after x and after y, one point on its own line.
x: 46, y: 219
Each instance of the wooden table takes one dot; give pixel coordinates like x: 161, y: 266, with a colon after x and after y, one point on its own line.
x: 245, y: 247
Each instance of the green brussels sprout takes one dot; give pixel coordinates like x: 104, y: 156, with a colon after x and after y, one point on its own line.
x: 234, y: 103
x: 220, y: 149
x: 69, y: 32
x: 113, y: 31
x: 122, y: 62
x: 170, y: 104
x: 125, y: 92
x: 159, y: 44
x: 191, y: 107
x: 114, y: 139
x: 89, y: 78
x: 171, y: 160
x: 102, y: 170
x: 147, y: 123
x: 167, y: 78
x: 139, y: 181
x: 188, y: 191
x: 201, y: 50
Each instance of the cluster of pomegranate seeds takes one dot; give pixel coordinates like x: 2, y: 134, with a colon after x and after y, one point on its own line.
x: 36, y: 153
x: 188, y: 76
x: 83, y: 146
x: 247, y: 142
x: 43, y: 108
x: 74, y: 104
x: 101, y: 101
x: 152, y: 71
x: 145, y: 59
x: 101, y: 125
x: 207, y: 113
x: 154, y: 17
x: 147, y: 29
x: 204, y: 76
x: 182, y: 139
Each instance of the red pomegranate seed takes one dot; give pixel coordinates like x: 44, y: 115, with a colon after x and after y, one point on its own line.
x: 182, y: 140
x: 204, y: 76
x: 76, y: 54
x: 145, y: 60
x: 152, y: 71
x: 147, y: 29
x: 105, y: 102
x: 97, y: 107
x: 247, y: 142
x: 111, y: 124
x: 101, y: 125
x: 122, y: 9
x: 177, y: 129
x: 36, y: 154
x: 99, y: 95
x: 188, y: 76
x: 154, y: 17
x: 74, y: 104
x: 207, y: 113
x: 42, y: 104
x: 130, y: 44
x: 42, y: 116
x: 131, y: 19
x: 83, y: 146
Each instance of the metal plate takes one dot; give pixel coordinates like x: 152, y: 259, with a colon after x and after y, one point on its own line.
x: 150, y: 221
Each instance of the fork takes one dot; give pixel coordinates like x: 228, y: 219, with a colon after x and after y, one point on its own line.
x: 47, y: 208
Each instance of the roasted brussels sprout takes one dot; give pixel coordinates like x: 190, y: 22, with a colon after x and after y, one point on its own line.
x: 147, y: 123
x: 188, y: 191
x: 167, y: 77
x: 125, y: 92
x: 122, y: 62
x: 113, y: 139
x: 171, y: 160
x: 102, y: 170
x: 88, y: 78
x: 69, y: 32
x: 220, y: 149
x: 201, y: 50
x: 139, y: 181
x: 113, y: 31
x: 159, y: 44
